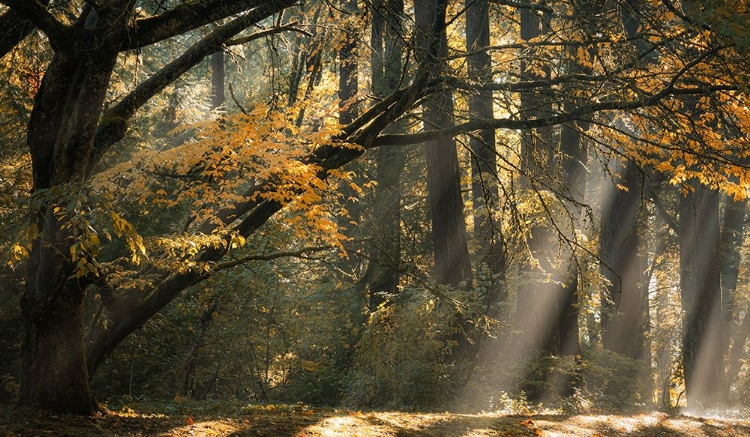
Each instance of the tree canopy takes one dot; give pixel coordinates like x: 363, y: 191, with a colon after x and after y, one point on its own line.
x: 441, y: 169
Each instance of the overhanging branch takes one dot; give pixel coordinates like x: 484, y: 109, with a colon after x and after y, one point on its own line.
x: 36, y: 13
x: 557, y: 119
x: 194, y: 14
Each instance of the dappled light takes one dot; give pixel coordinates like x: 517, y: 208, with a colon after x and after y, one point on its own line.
x: 234, y: 419
x: 375, y: 218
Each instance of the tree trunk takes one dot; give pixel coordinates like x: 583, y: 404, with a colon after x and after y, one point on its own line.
x: 452, y: 265
x: 60, y: 138
x: 732, y: 235
x: 484, y: 187
x: 383, y: 272
x: 218, y: 77
x: 730, y: 242
x: 702, y: 354
x: 624, y: 262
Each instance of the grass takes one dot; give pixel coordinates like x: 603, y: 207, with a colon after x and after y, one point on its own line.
x: 182, y: 419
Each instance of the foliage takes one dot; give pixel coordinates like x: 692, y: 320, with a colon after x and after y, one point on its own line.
x: 231, y: 244
x: 389, y: 370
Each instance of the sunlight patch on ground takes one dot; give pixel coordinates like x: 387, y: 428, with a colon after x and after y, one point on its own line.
x: 209, y: 428
x: 344, y: 427
x: 622, y: 424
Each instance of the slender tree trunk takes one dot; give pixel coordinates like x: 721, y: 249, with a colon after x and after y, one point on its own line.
x: 383, y: 272
x: 484, y: 187
x: 218, y: 78
x: 700, y: 270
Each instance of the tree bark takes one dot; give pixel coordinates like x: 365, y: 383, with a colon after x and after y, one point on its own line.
x: 702, y: 351
x: 60, y: 139
x: 484, y: 188
x: 383, y: 272
x: 624, y: 263
x: 452, y: 265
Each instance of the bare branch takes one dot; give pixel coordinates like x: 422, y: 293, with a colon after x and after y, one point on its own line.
x: 301, y: 253
x: 523, y: 5
x: 566, y: 117
x: 264, y: 33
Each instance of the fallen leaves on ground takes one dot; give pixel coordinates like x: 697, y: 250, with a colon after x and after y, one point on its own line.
x: 236, y: 420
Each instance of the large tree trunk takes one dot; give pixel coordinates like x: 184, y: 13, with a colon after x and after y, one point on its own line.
x: 702, y: 354
x: 730, y: 242
x: 624, y: 265
x: 60, y: 139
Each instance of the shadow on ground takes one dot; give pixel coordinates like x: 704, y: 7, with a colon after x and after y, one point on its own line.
x: 302, y: 421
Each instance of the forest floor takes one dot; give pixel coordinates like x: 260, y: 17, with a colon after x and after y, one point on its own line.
x: 299, y: 420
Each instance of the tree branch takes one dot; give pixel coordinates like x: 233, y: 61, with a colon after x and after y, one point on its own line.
x: 271, y: 256
x: 553, y: 120
x: 193, y: 14
x: 36, y: 13
x: 114, y: 122
x: 523, y: 5
x: 14, y: 27
x: 264, y: 33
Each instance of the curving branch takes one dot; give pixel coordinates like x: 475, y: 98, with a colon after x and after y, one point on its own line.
x: 14, y: 27
x: 194, y: 14
x: 114, y: 122
x: 29, y: 13
x: 578, y: 113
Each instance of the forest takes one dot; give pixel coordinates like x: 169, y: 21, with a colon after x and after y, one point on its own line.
x: 408, y: 205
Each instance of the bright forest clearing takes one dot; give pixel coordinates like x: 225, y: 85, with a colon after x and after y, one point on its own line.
x: 468, y: 206
x: 234, y: 419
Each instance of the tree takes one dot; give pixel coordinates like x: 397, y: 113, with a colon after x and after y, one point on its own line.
x: 484, y: 180
x: 246, y: 168
x: 383, y: 271
x: 452, y: 266
x: 700, y: 289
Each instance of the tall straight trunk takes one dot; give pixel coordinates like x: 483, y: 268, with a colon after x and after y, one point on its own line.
x: 349, y: 110
x: 450, y: 248
x: 730, y: 242
x: 700, y: 291
x: 625, y: 318
x: 538, y: 307
x: 218, y: 78
x: 484, y: 187
x: 732, y: 235
x: 383, y: 271
x: 623, y: 263
x: 348, y: 77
